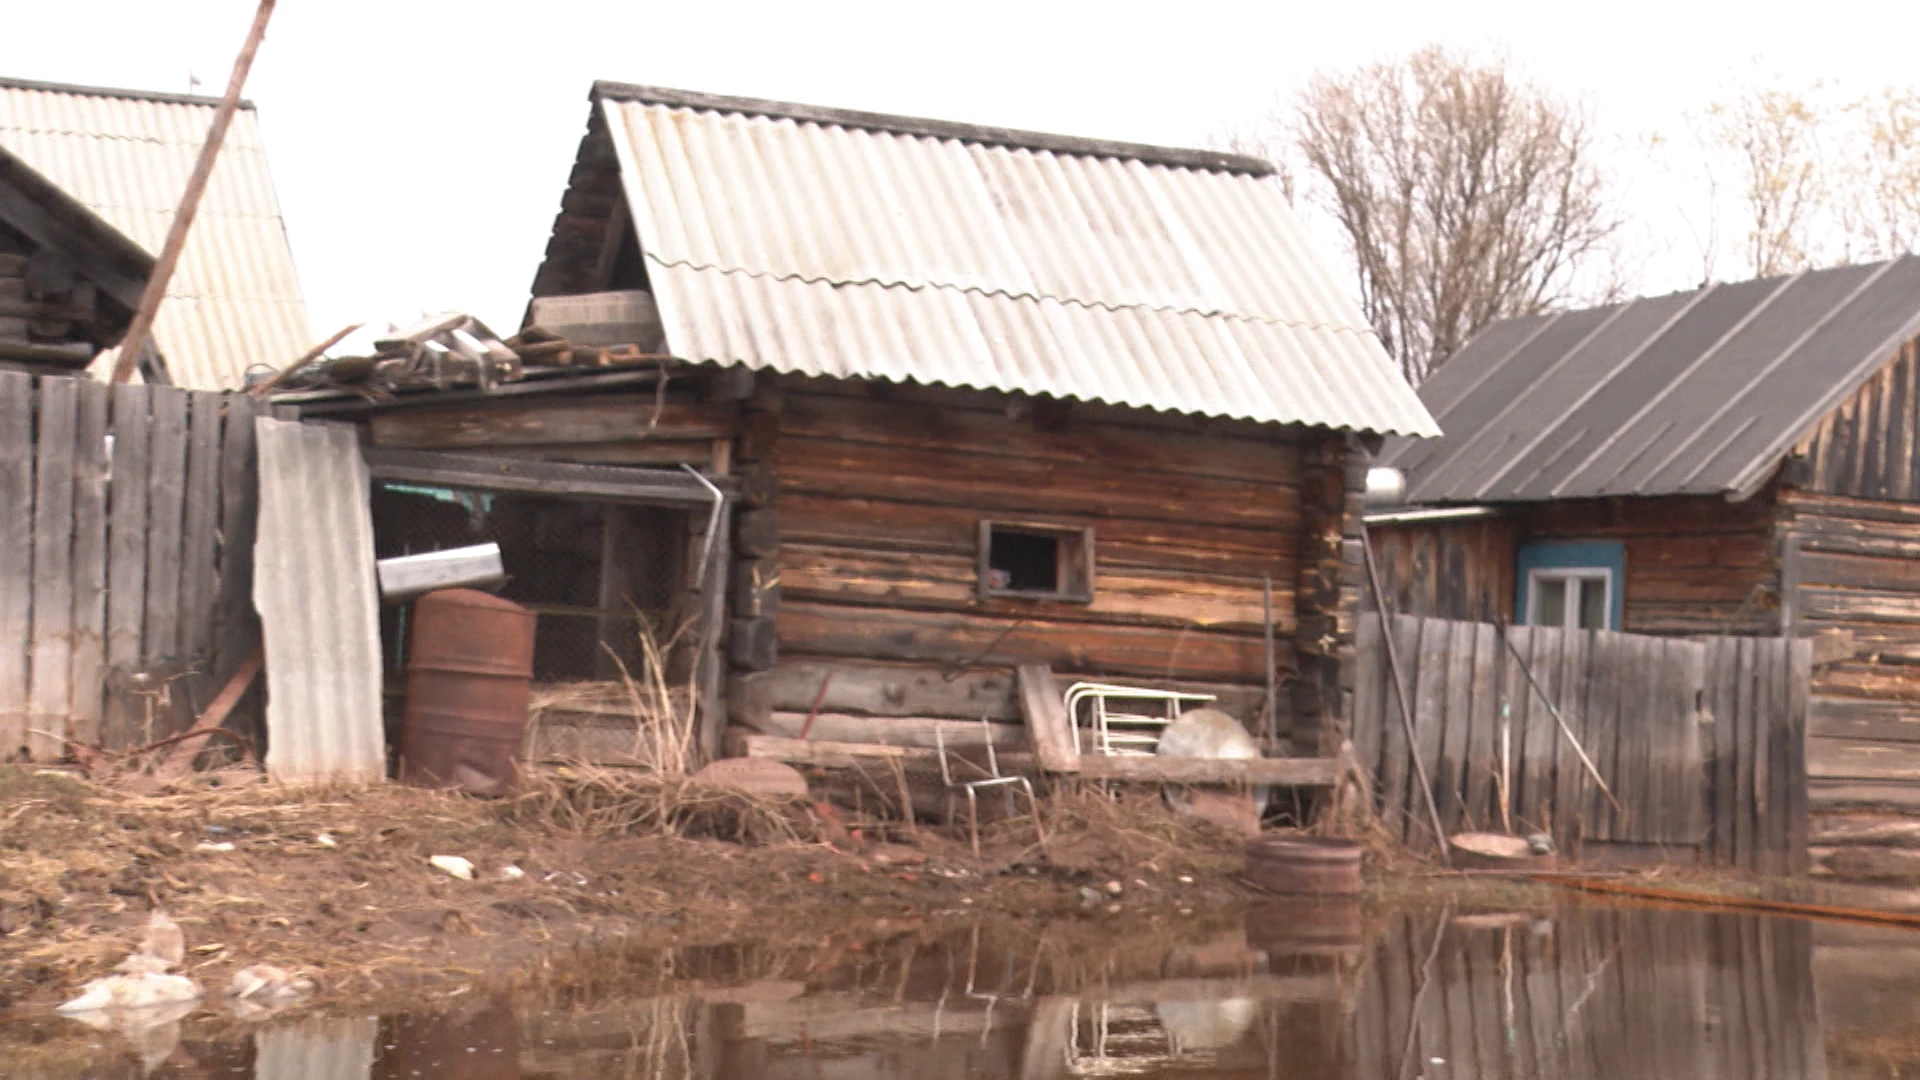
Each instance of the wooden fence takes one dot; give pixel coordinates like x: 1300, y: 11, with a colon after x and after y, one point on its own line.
x: 126, y: 543
x: 1701, y: 741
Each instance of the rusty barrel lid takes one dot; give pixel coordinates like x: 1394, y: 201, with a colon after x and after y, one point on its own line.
x: 1304, y: 865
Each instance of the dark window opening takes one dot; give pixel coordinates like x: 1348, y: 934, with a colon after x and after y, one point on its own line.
x: 1038, y: 562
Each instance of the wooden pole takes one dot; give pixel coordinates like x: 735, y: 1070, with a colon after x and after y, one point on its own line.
x: 1400, y: 695
x: 306, y: 358
x: 143, y: 314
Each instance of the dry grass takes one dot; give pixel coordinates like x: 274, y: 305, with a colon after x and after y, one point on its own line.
x: 660, y: 714
x: 593, y: 801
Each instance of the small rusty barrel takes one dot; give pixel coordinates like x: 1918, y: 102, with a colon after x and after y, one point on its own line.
x: 469, y: 666
x: 1304, y: 865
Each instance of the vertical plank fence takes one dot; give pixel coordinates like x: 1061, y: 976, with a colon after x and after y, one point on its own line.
x: 1701, y: 742
x: 125, y: 559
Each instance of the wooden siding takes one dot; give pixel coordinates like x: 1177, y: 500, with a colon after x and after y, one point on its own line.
x: 1866, y: 447
x: 879, y: 502
x: 1447, y: 569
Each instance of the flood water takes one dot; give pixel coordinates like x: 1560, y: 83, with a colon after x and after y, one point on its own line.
x: 1280, y: 992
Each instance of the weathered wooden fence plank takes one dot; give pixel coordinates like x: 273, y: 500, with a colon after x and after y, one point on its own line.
x: 1370, y: 694
x: 1451, y: 780
x: 16, y: 557
x: 1570, y: 820
x: 1511, y: 725
x: 166, y: 518
x: 1397, y: 794
x: 199, y: 539
x: 237, y: 626
x: 1720, y: 694
x: 1794, y: 739
x: 1601, y: 726
x: 126, y: 563
x: 1745, y: 802
x: 1429, y: 721
x: 1692, y: 784
x: 50, y: 675
x: 1483, y: 752
x: 88, y: 672
x: 1769, y: 829
x: 1542, y: 736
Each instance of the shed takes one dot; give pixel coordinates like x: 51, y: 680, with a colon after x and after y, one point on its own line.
x: 234, y: 300
x: 1737, y: 459
x: 980, y: 399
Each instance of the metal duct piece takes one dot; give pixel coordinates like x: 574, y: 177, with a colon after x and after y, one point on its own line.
x: 407, y: 576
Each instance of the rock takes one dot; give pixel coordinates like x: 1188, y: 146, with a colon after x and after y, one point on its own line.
x: 453, y: 866
x: 511, y: 873
x: 224, y: 845
x: 1089, y: 896
x: 755, y: 776
x: 1540, y: 843
x: 1114, y: 888
x: 142, y: 991
x: 1492, y: 845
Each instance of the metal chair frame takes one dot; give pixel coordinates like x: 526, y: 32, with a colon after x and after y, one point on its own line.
x: 993, y: 779
x: 1121, y: 733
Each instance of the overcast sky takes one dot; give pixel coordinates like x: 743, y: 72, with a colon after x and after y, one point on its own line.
x: 420, y: 148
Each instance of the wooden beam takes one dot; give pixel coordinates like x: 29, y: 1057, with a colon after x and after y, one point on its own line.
x: 1048, y: 725
x: 180, y: 761
x: 156, y: 290
x: 839, y: 755
x: 608, y: 482
x: 1280, y: 772
x: 913, y: 731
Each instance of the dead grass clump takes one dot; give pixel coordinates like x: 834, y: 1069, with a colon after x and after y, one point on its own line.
x: 593, y: 801
x: 1092, y: 830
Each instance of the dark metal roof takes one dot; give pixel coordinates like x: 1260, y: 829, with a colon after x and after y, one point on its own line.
x: 1700, y: 392
x: 161, y: 96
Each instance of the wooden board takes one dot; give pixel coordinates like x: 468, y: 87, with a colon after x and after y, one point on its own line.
x: 126, y: 563
x: 1429, y: 676
x: 237, y: 630
x: 561, y: 421
x: 876, y: 690
x: 199, y: 538
x: 50, y: 689
x: 1483, y: 751
x: 1451, y: 778
x: 834, y: 755
x: 16, y: 557
x: 1279, y: 772
x: 89, y: 563
x: 166, y: 520
x: 1371, y: 694
x: 926, y: 733
x: 1049, y: 728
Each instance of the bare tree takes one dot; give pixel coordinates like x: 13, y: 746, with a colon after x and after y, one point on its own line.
x: 1772, y: 136
x: 1881, y: 207
x: 1466, y: 195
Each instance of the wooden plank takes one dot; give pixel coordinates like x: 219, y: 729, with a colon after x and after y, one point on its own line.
x: 614, y: 418
x: 697, y: 453
x: 166, y: 520
x: 832, y: 755
x: 1482, y: 759
x: 1863, y: 719
x: 1543, y: 734
x: 1278, y: 772
x: 1769, y: 811
x: 1830, y: 796
x: 1745, y: 820
x: 50, y: 679
x: 1398, y: 801
x: 88, y: 692
x: 238, y: 628
x: 1600, y: 716
x: 126, y: 563
x: 1799, y: 674
x: 1570, y: 820
x: 16, y: 558
x: 711, y: 664
x: 923, y: 732
x: 877, y: 690
x: 1427, y: 672
x: 1370, y: 694
x: 1049, y: 728
x: 199, y: 540
x: 1718, y: 700
x: 1845, y: 759
x: 1693, y: 780
x: 1450, y: 780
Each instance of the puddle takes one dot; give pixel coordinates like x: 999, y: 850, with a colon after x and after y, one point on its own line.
x: 1282, y: 991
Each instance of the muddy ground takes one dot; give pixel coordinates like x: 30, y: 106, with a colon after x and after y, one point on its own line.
x: 338, y: 884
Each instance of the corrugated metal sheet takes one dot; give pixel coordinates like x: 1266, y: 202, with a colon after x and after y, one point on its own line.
x: 319, y: 609
x: 234, y: 300
x: 856, y: 250
x: 316, y: 1050
x: 1694, y: 393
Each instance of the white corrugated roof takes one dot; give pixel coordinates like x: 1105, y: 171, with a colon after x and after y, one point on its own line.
x: 845, y: 244
x: 234, y: 300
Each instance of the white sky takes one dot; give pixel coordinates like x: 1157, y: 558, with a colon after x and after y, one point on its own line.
x: 420, y: 147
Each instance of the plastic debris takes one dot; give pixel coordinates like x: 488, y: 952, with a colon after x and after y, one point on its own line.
x: 511, y: 873
x: 453, y: 866
x: 224, y: 845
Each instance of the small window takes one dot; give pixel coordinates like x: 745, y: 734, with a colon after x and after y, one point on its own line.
x: 1571, y: 584
x: 1036, y: 561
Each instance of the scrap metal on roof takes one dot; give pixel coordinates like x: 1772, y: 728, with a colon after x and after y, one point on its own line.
x: 855, y: 245
x: 235, y: 300
x: 1701, y: 393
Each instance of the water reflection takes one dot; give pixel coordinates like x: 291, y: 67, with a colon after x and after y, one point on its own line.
x: 1289, y: 991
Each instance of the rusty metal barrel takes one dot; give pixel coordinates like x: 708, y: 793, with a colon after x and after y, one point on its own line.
x: 469, y: 670
x: 1304, y: 865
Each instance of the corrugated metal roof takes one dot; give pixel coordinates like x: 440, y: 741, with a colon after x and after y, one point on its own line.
x: 1701, y: 392
x: 234, y: 300
x: 319, y: 610
x: 846, y: 244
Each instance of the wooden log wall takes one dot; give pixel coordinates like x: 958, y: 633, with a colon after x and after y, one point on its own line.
x: 125, y: 559
x: 860, y: 550
x: 1698, y: 740
x: 614, y: 428
x: 1854, y: 560
x: 1447, y: 569
x: 1608, y: 992
x: 1332, y: 575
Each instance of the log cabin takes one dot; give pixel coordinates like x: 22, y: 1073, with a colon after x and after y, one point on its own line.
x: 1740, y: 459
x: 978, y: 400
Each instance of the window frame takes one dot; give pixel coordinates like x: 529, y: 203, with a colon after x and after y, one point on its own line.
x: 1074, y: 567
x: 1564, y: 574
x: 1562, y: 559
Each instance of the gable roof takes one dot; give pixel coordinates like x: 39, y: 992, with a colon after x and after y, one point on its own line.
x: 39, y: 210
x: 234, y: 300
x: 855, y: 245
x: 1697, y: 393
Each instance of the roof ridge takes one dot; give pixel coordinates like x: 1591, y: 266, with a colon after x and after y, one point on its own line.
x: 1066, y: 301
x: 923, y: 127
x: 161, y: 96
